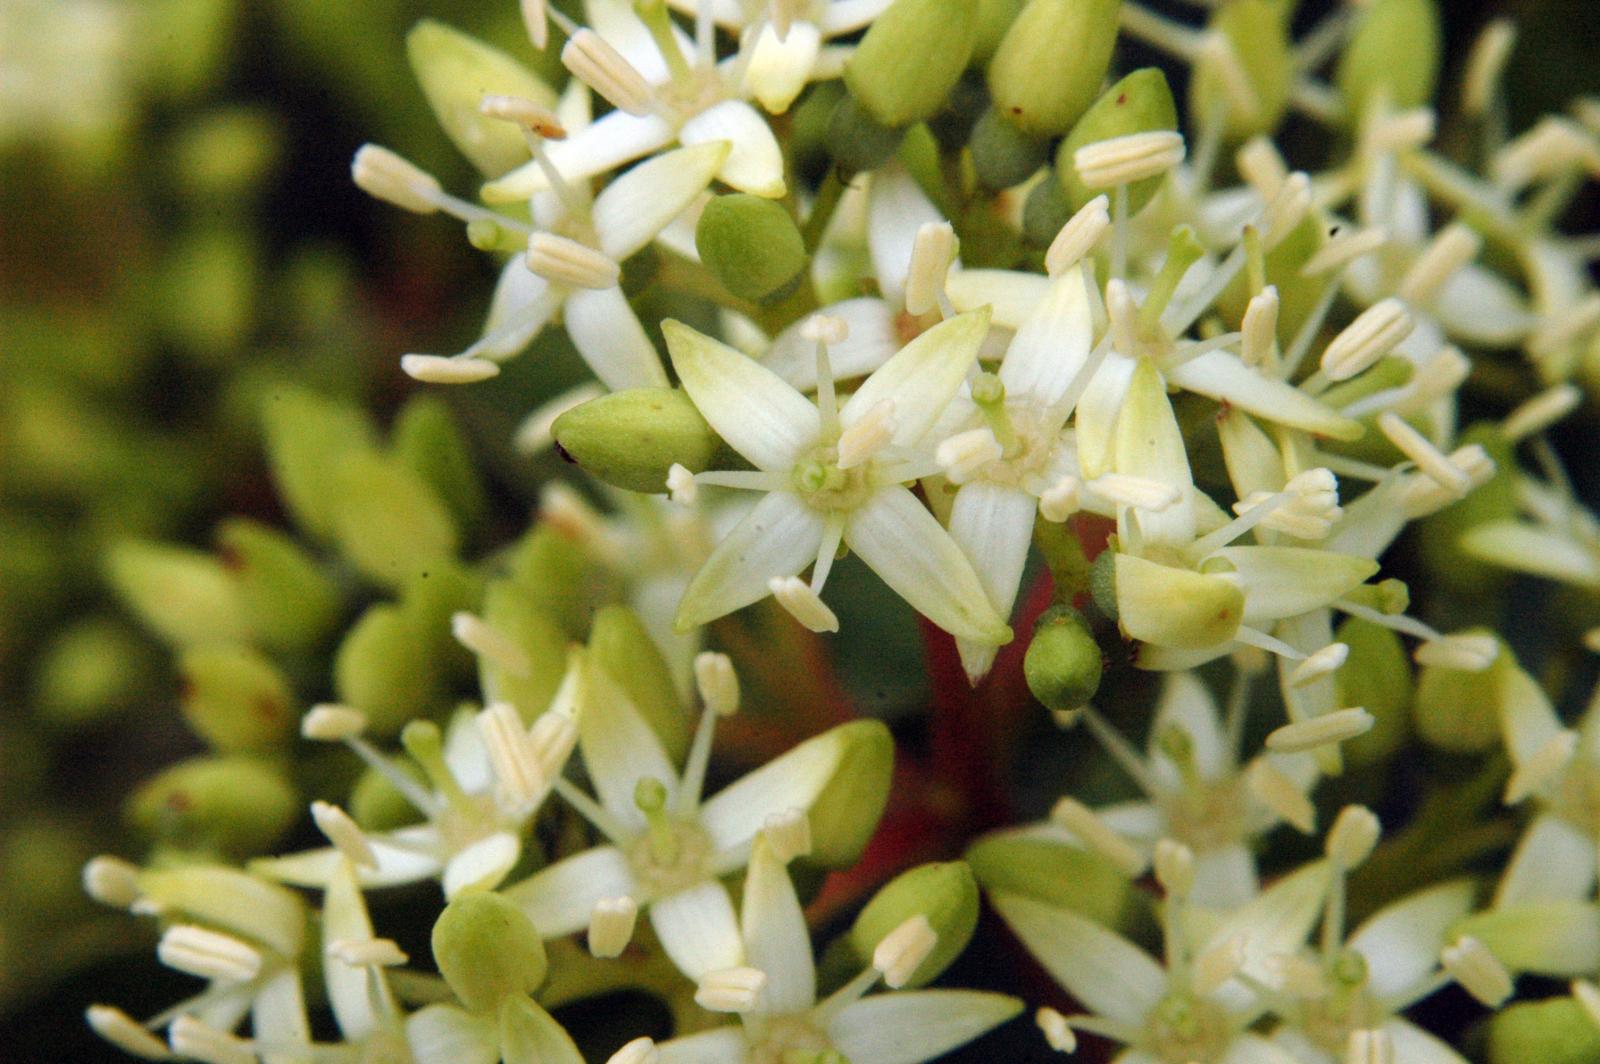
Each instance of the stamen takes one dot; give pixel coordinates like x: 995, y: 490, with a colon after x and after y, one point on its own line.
x: 901, y: 952
x: 1287, y: 210
x: 1453, y: 248
x: 822, y: 330
x: 1547, y: 762
x: 487, y: 642
x: 192, y: 1038
x: 535, y: 18
x: 1369, y: 1047
x: 208, y: 954
x: 1062, y: 499
x: 1335, y: 727
x: 931, y: 255
x: 964, y: 455
x: 1429, y: 459
x: 730, y: 990
x: 1477, y: 971
x: 1219, y: 964
x: 1344, y: 249
x: 126, y: 1033
x: 1097, y: 835
x: 1262, y: 166
x: 1125, y: 160
x: 1260, y: 329
x: 1421, y: 495
x: 1565, y: 327
x: 111, y: 881
x: 827, y: 552
x: 638, y: 1051
x: 369, y: 952
x: 1371, y: 336
x: 681, y: 485
x: 870, y: 433
x: 345, y: 834
x: 384, y: 175
x: 561, y: 260
x: 439, y: 369
x: 803, y: 604
x: 1541, y: 412
x: 611, y: 926
x: 1174, y: 867
x: 1402, y: 132
x: 1325, y: 661
x: 1485, y: 65
x: 1139, y: 493
x: 512, y: 756
x: 1550, y: 149
x: 525, y: 113
x: 1274, y: 789
x: 593, y: 61
x: 788, y: 834
x: 1354, y: 836
x: 1079, y: 236
x: 1057, y: 1031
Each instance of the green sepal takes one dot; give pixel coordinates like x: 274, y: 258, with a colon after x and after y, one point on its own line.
x: 846, y: 812
x: 1003, y: 154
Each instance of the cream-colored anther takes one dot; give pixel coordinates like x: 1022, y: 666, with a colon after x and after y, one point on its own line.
x: 512, y: 755
x: 1485, y: 64
x: 1369, y: 1047
x: 803, y: 604
x: 1336, y: 727
x: 126, y: 1033
x: 1403, y: 131
x: 1287, y: 209
x: 329, y: 722
x: 1319, y: 664
x: 1553, y: 147
x: 1440, y: 376
x: 1354, y: 836
x: 825, y: 329
x: 593, y: 61
x: 931, y: 254
x: 1259, y: 331
x: 1057, y: 1031
x: 1273, y: 788
x: 1453, y: 247
x: 964, y: 455
x: 197, y: 1040
x: 382, y: 174
x: 1174, y: 867
x: 524, y: 112
x: 1097, y: 835
x: 1262, y: 166
x: 440, y: 369
x: 1464, y: 652
x: 681, y: 485
x: 867, y: 435
x: 1125, y: 160
x: 208, y: 954
x: 1547, y: 763
x: 638, y: 1051
x: 1138, y: 493
x: 730, y: 990
x: 1217, y: 52
x: 1079, y: 236
x: 1565, y: 327
x: 901, y: 952
x: 717, y: 682
x: 611, y: 925
x: 1541, y: 412
x: 489, y: 643
x: 1343, y: 249
x: 1373, y: 334
x: 1477, y: 971
x: 345, y: 834
x: 1428, y: 458
x: 536, y: 20
x: 1062, y: 499
x: 564, y: 261
x: 111, y: 881
x: 368, y: 952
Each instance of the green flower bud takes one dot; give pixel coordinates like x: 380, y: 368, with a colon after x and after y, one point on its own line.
x: 911, y: 57
x: 563, y: 581
x: 1297, y: 293
x: 620, y: 644
x: 1173, y: 607
x: 430, y: 599
x: 487, y: 950
x: 1460, y: 711
x: 510, y: 610
x: 1557, y: 937
x: 1002, y: 154
x: 1063, y: 662
x: 225, y: 154
x: 1258, y: 33
x: 1139, y: 103
x: 1054, y: 872
x: 857, y: 141
x: 1393, y: 53
x: 846, y: 812
x: 1554, y: 1031
x: 1052, y: 61
x: 1045, y: 211
x: 92, y: 669
x: 945, y: 893
x: 456, y: 71
x: 236, y: 699
x: 377, y: 805
x: 308, y: 436
x: 209, y: 282
x: 182, y: 595
x: 629, y: 439
x: 1377, y: 677
x: 383, y: 668
x: 751, y: 244
x: 44, y: 867
x: 1492, y: 501
x: 427, y: 439
x: 229, y: 900
x: 291, y: 604
x: 994, y: 18
x: 231, y: 805
x: 389, y: 522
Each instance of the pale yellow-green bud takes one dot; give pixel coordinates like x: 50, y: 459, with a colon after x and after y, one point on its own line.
x: 846, y: 812
x: 182, y: 595
x: 232, y: 805
x: 1557, y: 937
x: 512, y: 612
x: 1376, y: 675
x: 427, y: 439
x: 551, y: 565
x: 751, y: 244
x: 1249, y: 70
x: 388, y: 521
x: 620, y: 644
x: 1174, y: 607
x: 1054, y: 872
x: 236, y: 699
x: 226, y: 153
x: 289, y: 601
x: 1063, y: 662
x: 1553, y: 1031
x: 487, y: 950
x: 1459, y: 710
x: 384, y: 668
x: 1051, y: 63
x: 1393, y: 54
x: 910, y: 59
x: 630, y: 439
x: 1139, y: 103
x: 377, y: 805
x: 946, y: 894
x: 456, y: 71
x: 994, y: 18
x: 95, y: 667
x: 308, y: 436
x: 1003, y: 154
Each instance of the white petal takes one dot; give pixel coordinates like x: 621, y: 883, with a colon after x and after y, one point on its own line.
x: 522, y: 304
x: 778, y: 538
x: 896, y: 209
x: 755, y: 163
x: 1413, y: 1045
x: 344, y: 916
x: 776, y: 938
x: 1109, y: 974
x: 1401, y: 941
x: 624, y: 30
x: 914, y: 1026
x: 895, y: 535
x: 620, y: 749
x: 560, y: 899
x: 871, y: 341
x: 616, y: 138
x: 724, y: 1045
x: 698, y: 930
x: 279, y: 1006
x: 729, y: 14
x: 922, y: 378
x: 792, y: 780
x: 1142, y: 822
x: 1527, y: 719
x: 1535, y: 550
x: 1481, y: 307
x: 778, y: 70
x: 482, y: 865
x: 445, y: 1034
x: 1012, y: 295
x: 1281, y: 582
x: 1225, y: 878
x: 1554, y: 861
x: 1220, y: 375
x: 844, y: 16
x: 1096, y: 417
x: 465, y: 755
x: 1187, y: 705
x: 1052, y: 344
x: 1148, y: 443
x: 639, y: 204
x: 1276, y: 922
x: 1253, y: 1049
x: 404, y: 856
x: 751, y: 407
x: 608, y: 335
x: 993, y: 525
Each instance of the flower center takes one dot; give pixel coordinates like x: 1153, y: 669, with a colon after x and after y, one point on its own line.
x: 824, y: 486
x: 671, y: 856
x: 1577, y: 798
x: 1207, y: 814
x: 1184, y: 1028
x: 787, y: 1037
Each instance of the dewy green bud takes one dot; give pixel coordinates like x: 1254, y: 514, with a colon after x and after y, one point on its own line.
x: 290, y: 602
x: 184, y: 596
x: 846, y: 812
x: 994, y: 18
x: 456, y: 71
x: 1393, y: 54
x: 512, y: 612
x: 620, y: 644
x: 1052, y: 61
x: 384, y: 669
x: 1139, y: 103
x: 487, y: 950
x: 909, y: 60
x: 751, y: 244
x: 1554, y: 1031
x: 308, y: 436
x: 1054, y: 872
x: 1460, y: 711
x: 225, y: 154
x: 1256, y: 33
x: 233, y: 805
x: 236, y: 699
x: 389, y: 522
x: 857, y: 141
x: 1002, y: 154
x: 945, y: 893
x: 1063, y: 662
x: 1376, y: 676
x: 629, y: 439
x: 426, y: 438
x: 93, y: 668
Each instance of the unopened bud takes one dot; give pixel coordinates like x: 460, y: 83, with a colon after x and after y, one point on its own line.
x: 1031, y: 87
x: 456, y: 71
x: 944, y: 896
x: 1141, y: 102
x: 629, y: 439
x: 238, y: 805
x: 750, y: 244
x: 235, y: 698
x: 1393, y: 53
x: 1245, y: 60
x: 1064, y: 662
x: 910, y: 59
x: 487, y: 950
x: 385, y: 668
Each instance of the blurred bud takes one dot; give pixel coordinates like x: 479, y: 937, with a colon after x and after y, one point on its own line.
x: 290, y: 603
x: 857, y: 141
x: 308, y: 436
x: 182, y: 595
x: 1063, y: 662
x: 233, y: 805
x: 225, y: 155
x: 487, y: 950
x: 1459, y: 710
x: 620, y: 644
x: 228, y: 900
x: 630, y: 439
x: 1556, y: 1030
x: 1139, y: 103
x: 236, y: 699
x: 945, y: 894
x: 1376, y: 675
x: 846, y: 811
x: 558, y: 568
x: 1031, y: 84
x: 383, y: 668
x: 1557, y: 937
x: 751, y: 244
x: 388, y: 521
x: 44, y: 863
x: 1393, y: 53
x: 95, y: 667
x: 1045, y: 211
x: 1003, y: 154
x: 427, y: 439
x: 1053, y: 871
x: 210, y: 280
x: 430, y: 599
x: 911, y: 58
x: 510, y: 611
x: 456, y: 71
x: 1250, y: 71
x: 377, y: 805
x: 994, y: 18
x: 1174, y: 607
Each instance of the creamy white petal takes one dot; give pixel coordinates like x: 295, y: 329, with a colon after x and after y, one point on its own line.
x: 914, y: 1026
x: 751, y: 407
x: 792, y: 780
x: 1413, y: 1045
x: 776, y: 938
x: 729, y: 14
x: 1105, y: 971
x: 404, y: 856
x: 639, y: 204
x: 608, y: 335
x: 725, y: 1045
x: 1220, y: 375
x: 482, y: 865
x: 778, y: 70
x: 843, y: 16
x: 1553, y: 861
x: 1401, y: 941
x: 755, y: 162
x: 522, y: 304
x: 620, y: 749
x: 1143, y: 822
x: 778, y: 538
x: 1275, y: 922
x: 351, y: 989
x: 465, y: 754
x: 1281, y: 582
x: 896, y: 208
x: 922, y: 377
x: 445, y: 1034
x: 871, y: 341
x: 1532, y: 549
x: 615, y: 139
x: 1052, y: 344
x: 1527, y: 719
x: 1149, y: 444
x: 1253, y: 1049
x: 1096, y: 418
x: 560, y: 899
x: 1012, y: 295
x: 993, y: 525
x: 698, y: 930
x: 1225, y: 878
x: 1478, y: 305
x: 895, y: 535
